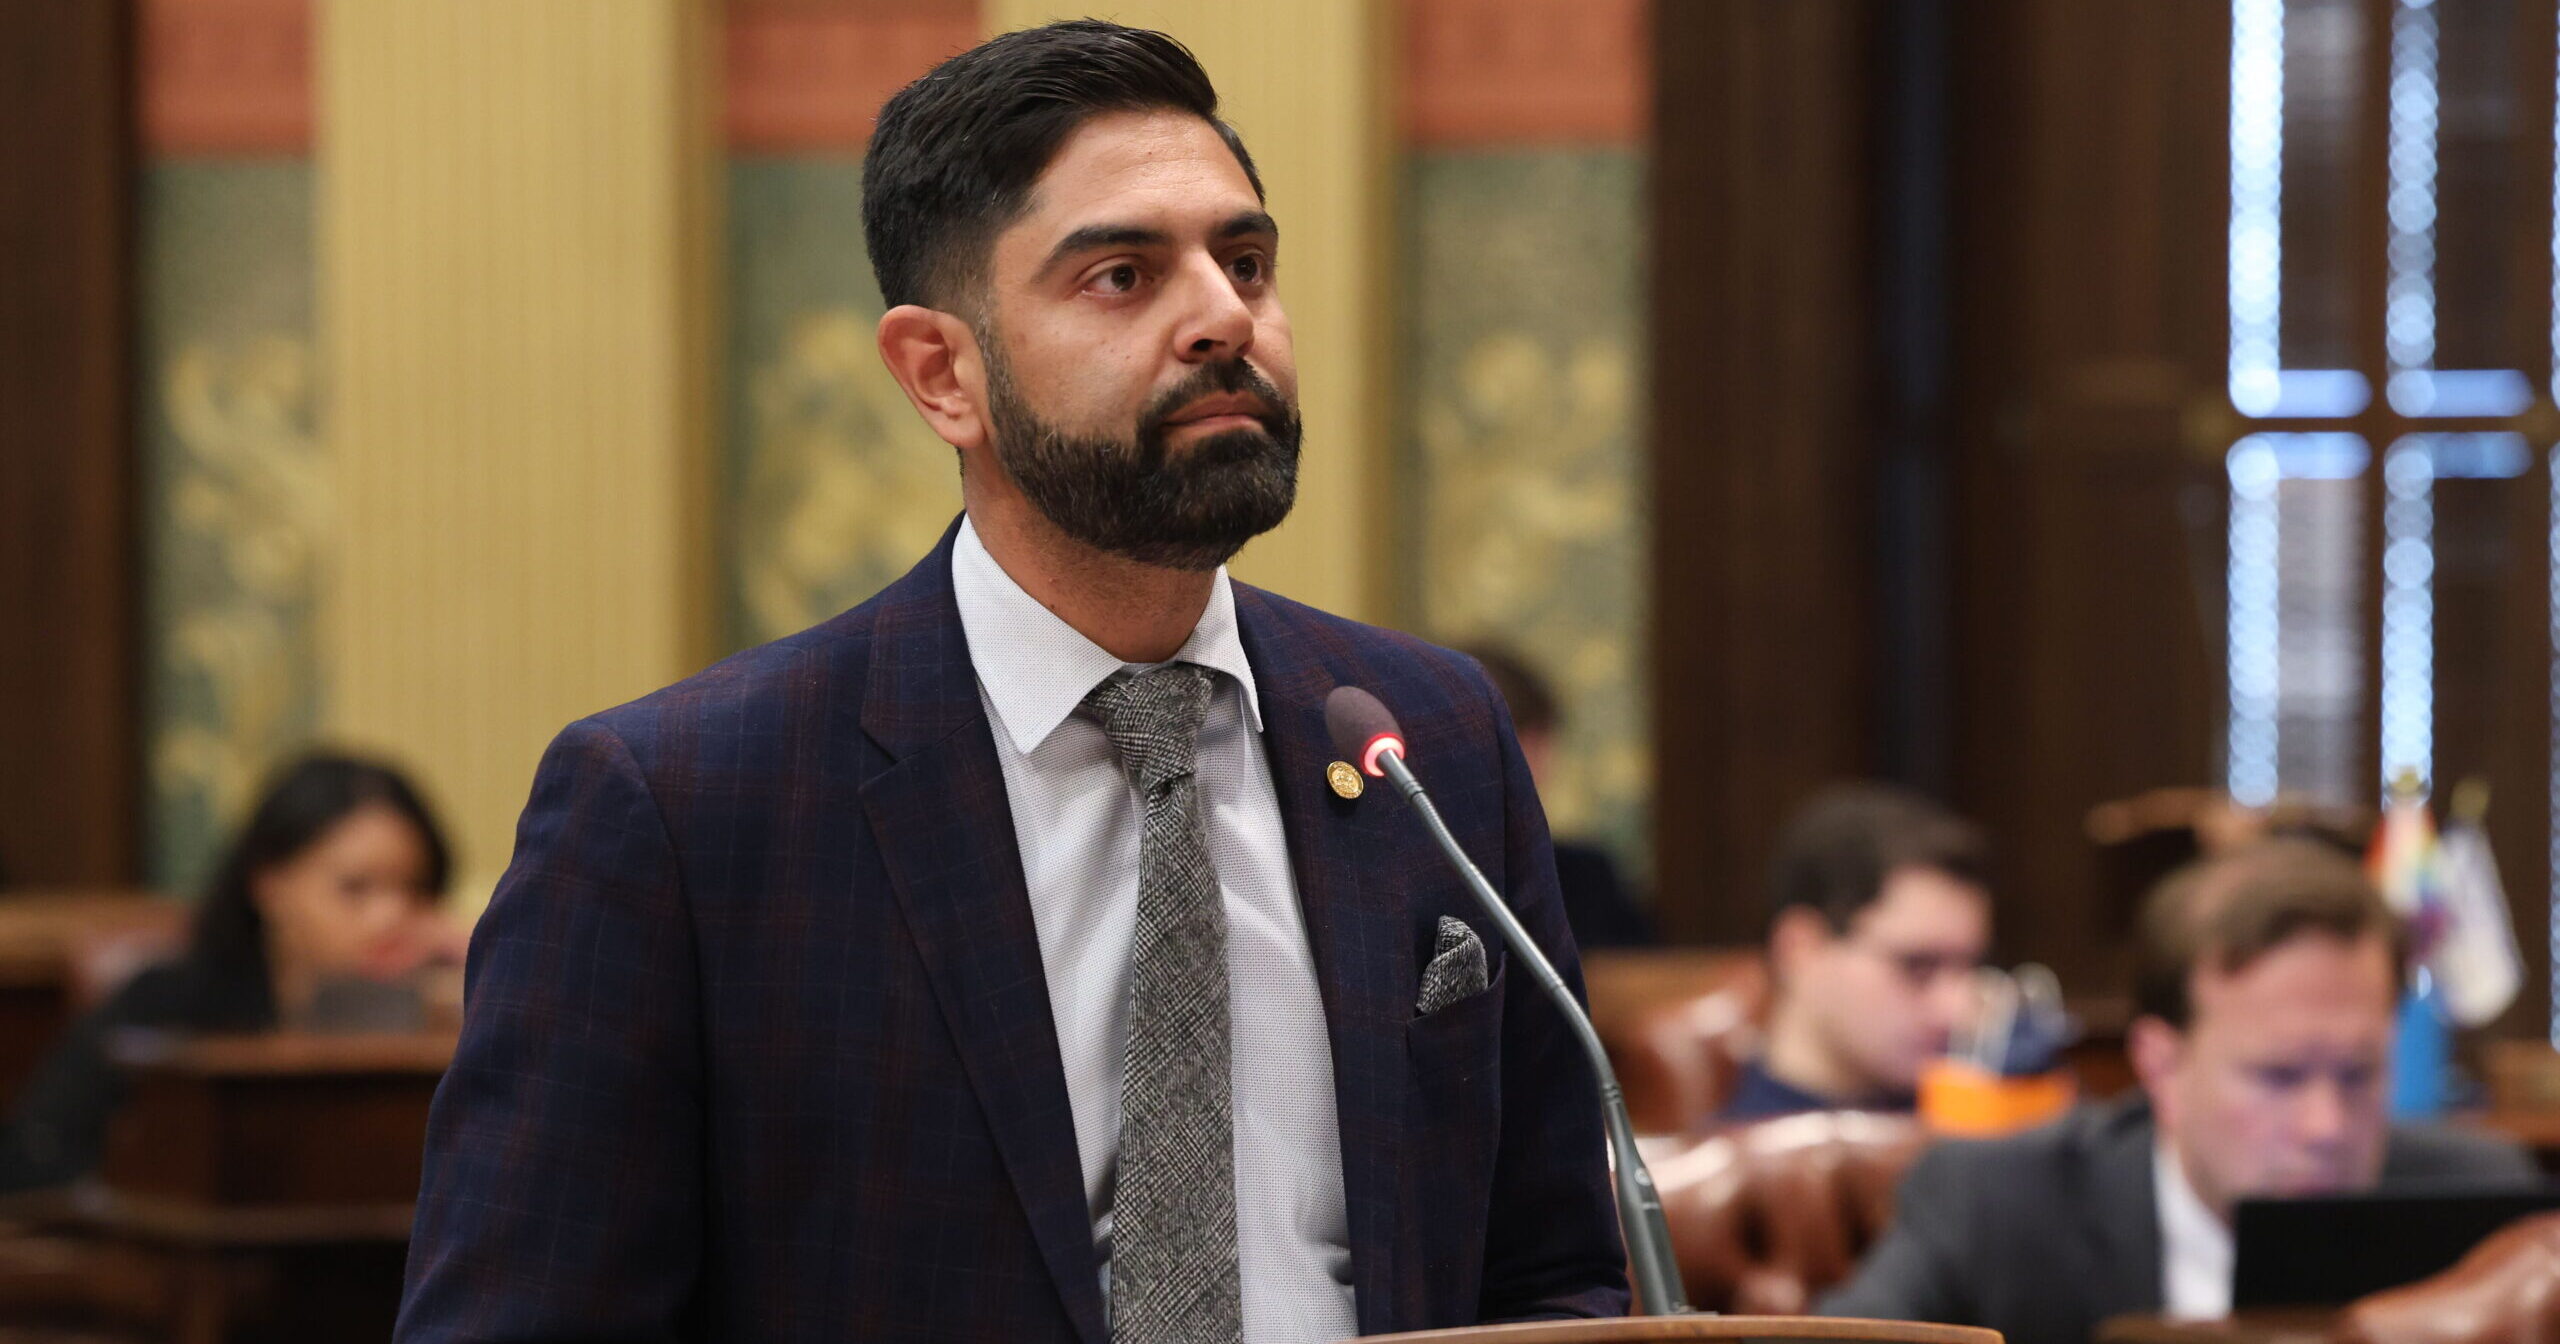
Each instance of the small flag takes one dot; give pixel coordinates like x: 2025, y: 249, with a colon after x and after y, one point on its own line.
x: 2403, y: 863
x: 2475, y: 961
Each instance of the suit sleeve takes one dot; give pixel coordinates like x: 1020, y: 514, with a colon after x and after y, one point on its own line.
x: 2425, y: 1154
x: 1915, y: 1271
x: 563, y: 1190
x: 2507, y: 1162
x: 1552, y: 1246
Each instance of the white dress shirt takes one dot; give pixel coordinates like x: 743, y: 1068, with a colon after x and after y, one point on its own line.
x: 1076, y: 819
x: 2195, y: 1246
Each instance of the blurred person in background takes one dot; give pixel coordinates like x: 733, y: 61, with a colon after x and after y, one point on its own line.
x: 1597, y: 904
x: 1880, y: 913
x: 335, y: 877
x: 2265, y: 996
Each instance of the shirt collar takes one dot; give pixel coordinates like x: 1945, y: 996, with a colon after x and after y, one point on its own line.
x: 2195, y: 1246
x: 1035, y: 668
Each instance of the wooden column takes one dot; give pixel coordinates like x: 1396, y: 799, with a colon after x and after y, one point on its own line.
x: 69, y: 720
x: 1764, y: 387
x: 2092, y: 218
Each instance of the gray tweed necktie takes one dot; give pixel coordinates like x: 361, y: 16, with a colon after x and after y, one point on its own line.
x: 1173, y: 1216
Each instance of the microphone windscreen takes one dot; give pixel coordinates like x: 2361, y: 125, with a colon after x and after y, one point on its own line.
x: 1355, y: 721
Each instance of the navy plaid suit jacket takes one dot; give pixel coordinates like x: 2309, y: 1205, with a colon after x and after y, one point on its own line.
x: 758, y: 1047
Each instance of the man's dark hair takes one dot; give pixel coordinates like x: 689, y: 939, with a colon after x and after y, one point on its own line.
x: 1526, y: 694
x: 2226, y: 911
x: 954, y: 155
x: 1835, y: 856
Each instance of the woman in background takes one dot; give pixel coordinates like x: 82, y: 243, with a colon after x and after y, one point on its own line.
x: 335, y: 876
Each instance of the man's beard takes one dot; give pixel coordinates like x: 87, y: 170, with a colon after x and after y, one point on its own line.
x: 1137, y: 498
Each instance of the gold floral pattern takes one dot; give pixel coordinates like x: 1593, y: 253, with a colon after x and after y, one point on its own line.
x: 835, y: 487
x: 1521, y: 448
x: 236, y: 503
x: 248, y: 495
x: 841, y: 488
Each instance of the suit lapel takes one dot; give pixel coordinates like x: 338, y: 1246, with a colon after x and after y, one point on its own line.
x: 945, y: 833
x: 2124, y: 1215
x: 1362, y: 941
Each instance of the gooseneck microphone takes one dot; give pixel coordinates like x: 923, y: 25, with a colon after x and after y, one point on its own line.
x: 1365, y: 734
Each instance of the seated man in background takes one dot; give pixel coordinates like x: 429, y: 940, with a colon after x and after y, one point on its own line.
x: 1597, y: 905
x: 2265, y: 992
x: 1880, y: 913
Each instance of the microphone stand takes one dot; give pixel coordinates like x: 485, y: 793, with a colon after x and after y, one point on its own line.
x: 1640, y: 1220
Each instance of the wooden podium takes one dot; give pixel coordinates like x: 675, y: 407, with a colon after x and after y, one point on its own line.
x: 270, y: 1138
x: 255, y: 1188
x: 1636, y: 1329
x: 41, y: 938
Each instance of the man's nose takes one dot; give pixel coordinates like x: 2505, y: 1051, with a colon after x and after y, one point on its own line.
x: 1953, y: 999
x: 1216, y: 324
x: 2324, y: 1113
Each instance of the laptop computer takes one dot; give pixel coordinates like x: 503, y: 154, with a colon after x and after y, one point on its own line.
x: 2329, y: 1250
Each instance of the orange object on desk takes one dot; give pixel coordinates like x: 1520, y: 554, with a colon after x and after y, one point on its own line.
x: 1961, y: 1099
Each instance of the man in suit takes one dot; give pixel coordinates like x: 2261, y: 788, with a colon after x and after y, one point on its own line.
x: 1879, y: 915
x: 1002, y: 959
x: 2265, y: 991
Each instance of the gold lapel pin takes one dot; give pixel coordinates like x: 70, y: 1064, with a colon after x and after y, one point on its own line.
x: 1344, y: 779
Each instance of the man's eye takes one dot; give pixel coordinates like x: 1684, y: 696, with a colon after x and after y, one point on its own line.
x: 1250, y: 268
x: 1118, y: 280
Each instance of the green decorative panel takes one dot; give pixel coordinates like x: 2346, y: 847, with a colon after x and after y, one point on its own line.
x: 835, y: 486
x: 235, y: 499
x: 1519, y: 451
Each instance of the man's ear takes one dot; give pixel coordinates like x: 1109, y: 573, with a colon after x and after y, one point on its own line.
x: 935, y: 358
x: 1795, y: 936
x: 2155, y: 1049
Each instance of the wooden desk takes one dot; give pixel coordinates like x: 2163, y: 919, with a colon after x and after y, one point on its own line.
x: 267, y: 1180
x: 2524, y: 1097
x: 2537, y: 1130
x: 2310, y: 1325
x: 1626, y: 1329
x: 39, y: 934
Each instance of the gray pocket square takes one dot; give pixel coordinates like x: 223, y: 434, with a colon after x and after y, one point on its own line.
x: 1456, y: 970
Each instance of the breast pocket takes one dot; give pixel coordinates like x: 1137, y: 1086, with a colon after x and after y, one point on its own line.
x: 1465, y: 1036
x: 1456, y: 1058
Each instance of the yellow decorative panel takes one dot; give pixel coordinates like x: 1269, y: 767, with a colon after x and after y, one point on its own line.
x: 235, y: 511
x: 1523, y: 380
x: 514, y: 233
x: 835, y: 485
x: 1305, y: 85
